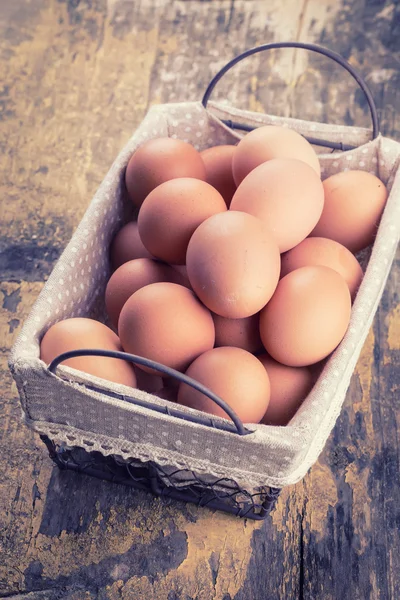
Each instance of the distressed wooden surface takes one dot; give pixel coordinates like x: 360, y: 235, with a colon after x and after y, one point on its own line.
x: 77, y: 78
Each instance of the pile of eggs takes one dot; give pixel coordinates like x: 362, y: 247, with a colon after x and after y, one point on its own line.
x: 239, y: 271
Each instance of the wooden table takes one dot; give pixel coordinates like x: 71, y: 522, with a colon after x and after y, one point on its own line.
x: 77, y: 78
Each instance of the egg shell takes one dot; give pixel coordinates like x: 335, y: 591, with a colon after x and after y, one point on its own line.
x: 233, y: 264
x: 167, y: 393
x: 218, y: 163
x: 354, y: 203
x: 181, y: 269
x: 160, y: 160
x: 289, y: 387
x: 172, y: 212
x: 317, y: 368
x: 328, y: 253
x: 82, y: 333
x: 153, y: 384
x: 234, y: 375
x: 269, y: 142
x: 287, y: 195
x: 132, y: 276
x: 239, y: 333
x: 307, y: 316
x: 165, y: 322
x: 183, y: 273
x: 170, y: 389
x: 127, y: 245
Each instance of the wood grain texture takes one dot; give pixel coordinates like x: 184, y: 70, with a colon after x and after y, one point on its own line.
x: 78, y: 77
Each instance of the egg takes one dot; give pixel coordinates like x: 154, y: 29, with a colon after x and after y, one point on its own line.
x: 170, y: 389
x: 354, y: 203
x: 234, y: 375
x: 233, y: 264
x: 287, y: 195
x: 160, y: 160
x: 165, y: 322
x: 307, y: 316
x: 325, y: 252
x: 132, y: 276
x: 148, y: 382
x: 289, y: 387
x: 218, y: 163
x: 181, y: 269
x: 127, y: 245
x: 317, y: 368
x: 172, y: 212
x: 82, y: 333
x: 269, y: 142
x: 240, y: 333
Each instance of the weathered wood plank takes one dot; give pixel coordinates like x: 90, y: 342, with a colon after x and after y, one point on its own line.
x: 79, y: 76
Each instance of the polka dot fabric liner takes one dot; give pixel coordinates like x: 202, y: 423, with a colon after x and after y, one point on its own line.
x: 63, y: 408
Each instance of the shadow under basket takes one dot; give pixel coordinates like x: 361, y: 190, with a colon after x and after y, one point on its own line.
x: 181, y: 484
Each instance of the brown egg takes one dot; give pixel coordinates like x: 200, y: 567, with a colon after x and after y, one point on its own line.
x: 132, y: 276
x: 307, y: 316
x: 233, y: 264
x: 181, y: 269
x: 289, y: 387
x: 153, y: 384
x: 268, y: 142
x: 79, y: 334
x: 317, y: 368
x: 239, y: 333
x: 218, y: 164
x: 354, y: 203
x: 166, y: 323
x: 172, y: 212
x: 287, y: 195
x: 160, y: 160
x: 235, y: 376
x: 170, y: 389
x: 325, y: 252
x: 127, y: 245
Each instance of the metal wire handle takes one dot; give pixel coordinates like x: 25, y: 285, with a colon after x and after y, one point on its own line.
x: 314, y: 48
x: 139, y: 360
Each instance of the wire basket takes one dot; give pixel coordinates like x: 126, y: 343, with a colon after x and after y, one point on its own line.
x: 179, y: 484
